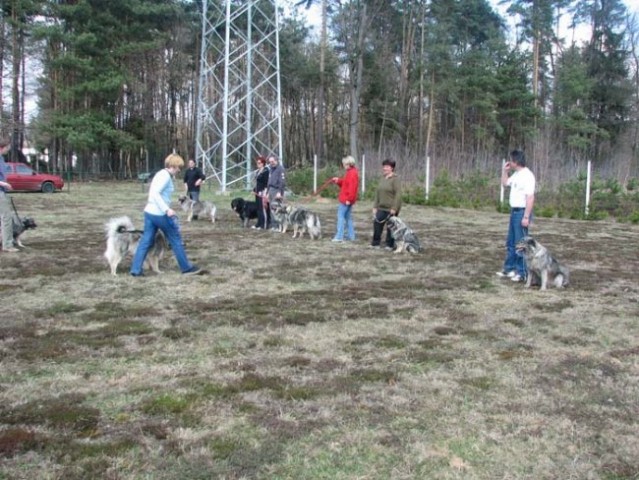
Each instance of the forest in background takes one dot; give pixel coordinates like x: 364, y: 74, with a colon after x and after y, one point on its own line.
x: 116, y: 84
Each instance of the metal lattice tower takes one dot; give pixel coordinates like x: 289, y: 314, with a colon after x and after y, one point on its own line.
x: 238, y: 113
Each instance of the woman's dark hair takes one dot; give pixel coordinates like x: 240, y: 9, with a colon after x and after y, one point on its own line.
x: 518, y: 157
x: 389, y: 162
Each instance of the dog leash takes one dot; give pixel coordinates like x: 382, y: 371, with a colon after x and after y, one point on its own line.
x: 322, y: 187
x: 383, y: 221
x: 319, y: 190
x: 14, y: 207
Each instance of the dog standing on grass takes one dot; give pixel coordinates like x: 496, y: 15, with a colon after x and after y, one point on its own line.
x: 21, y: 225
x: 123, y: 239
x: 246, y: 210
x: 541, y: 264
x: 279, y: 214
x: 195, y: 208
x: 303, y: 220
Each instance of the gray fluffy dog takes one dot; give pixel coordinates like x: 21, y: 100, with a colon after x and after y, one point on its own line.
x: 541, y: 264
x: 404, y: 236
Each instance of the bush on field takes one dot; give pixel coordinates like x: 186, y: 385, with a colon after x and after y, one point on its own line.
x: 477, y: 190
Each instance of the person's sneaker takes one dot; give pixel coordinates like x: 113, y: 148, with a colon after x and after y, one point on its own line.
x: 510, y: 274
x: 388, y: 249
x: 194, y: 270
x: 374, y: 246
x: 337, y: 240
x: 517, y: 278
x: 10, y: 250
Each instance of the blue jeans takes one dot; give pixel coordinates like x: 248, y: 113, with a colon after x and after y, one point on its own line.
x: 171, y: 230
x: 194, y: 195
x: 514, y: 261
x: 345, y: 218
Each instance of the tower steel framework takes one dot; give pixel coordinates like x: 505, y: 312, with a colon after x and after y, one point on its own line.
x: 239, y: 94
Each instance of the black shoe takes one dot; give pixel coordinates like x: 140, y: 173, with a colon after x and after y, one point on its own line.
x: 194, y: 270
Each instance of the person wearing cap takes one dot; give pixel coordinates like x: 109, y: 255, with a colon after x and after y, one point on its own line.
x: 522, y: 200
x: 6, y: 215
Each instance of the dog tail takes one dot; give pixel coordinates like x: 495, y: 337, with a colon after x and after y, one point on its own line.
x: 119, y: 225
x: 314, y: 226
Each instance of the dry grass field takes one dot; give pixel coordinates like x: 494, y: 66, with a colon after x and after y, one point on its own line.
x: 299, y: 359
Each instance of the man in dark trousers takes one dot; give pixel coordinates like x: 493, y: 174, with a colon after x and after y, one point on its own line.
x: 276, y: 185
x: 193, y: 178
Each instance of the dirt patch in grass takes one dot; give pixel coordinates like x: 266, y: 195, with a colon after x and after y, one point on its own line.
x: 66, y: 413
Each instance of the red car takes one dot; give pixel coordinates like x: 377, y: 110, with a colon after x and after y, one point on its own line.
x: 23, y: 178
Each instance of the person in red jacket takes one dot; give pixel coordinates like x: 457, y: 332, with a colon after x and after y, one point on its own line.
x: 348, y: 184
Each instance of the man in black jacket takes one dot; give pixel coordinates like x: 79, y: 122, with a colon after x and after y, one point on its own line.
x: 193, y: 178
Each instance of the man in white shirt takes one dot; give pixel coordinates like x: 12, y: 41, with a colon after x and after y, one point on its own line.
x: 522, y: 200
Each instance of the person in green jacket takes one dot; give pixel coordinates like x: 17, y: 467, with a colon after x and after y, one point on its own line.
x: 388, y: 201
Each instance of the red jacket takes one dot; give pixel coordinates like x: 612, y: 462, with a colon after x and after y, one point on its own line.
x: 348, y: 184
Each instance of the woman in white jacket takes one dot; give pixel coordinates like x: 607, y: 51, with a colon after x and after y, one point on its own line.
x: 159, y: 215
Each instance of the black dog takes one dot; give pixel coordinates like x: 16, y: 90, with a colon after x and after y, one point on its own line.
x: 20, y: 225
x: 245, y: 209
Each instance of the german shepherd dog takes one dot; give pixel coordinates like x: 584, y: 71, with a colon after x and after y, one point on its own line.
x: 541, y: 264
x: 404, y: 236
x: 245, y: 210
x: 21, y: 225
x: 123, y: 240
x: 303, y: 220
x: 195, y: 209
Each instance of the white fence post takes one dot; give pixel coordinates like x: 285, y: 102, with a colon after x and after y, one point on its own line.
x: 363, y: 173
x: 587, y: 209
x: 502, y: 189
x: 427, y: 181
x: 314, y: 173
